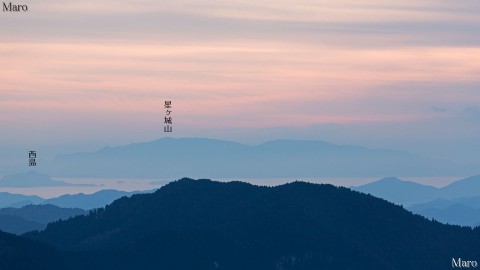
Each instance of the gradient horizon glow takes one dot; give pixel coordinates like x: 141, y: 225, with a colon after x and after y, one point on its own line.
x: 79, y: 75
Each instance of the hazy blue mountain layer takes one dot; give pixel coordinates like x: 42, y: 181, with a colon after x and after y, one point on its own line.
x: 17, y: 200
x: 88, y: 201
x: 408, y: 193
x: 463, y: 211
x: 84, y: 201
x: 175, y: 158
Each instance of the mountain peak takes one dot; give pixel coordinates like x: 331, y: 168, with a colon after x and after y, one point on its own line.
x: 391, y: 179
x: 399, y: 191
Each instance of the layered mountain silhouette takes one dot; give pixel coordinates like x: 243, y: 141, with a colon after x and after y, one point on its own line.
x: 473, y: 202
x: 408, y: 193
x: 457, y: 203
x: 80, y: 200
x: 399, y: 191
x: 458, y: 214
x: 201, y: 224
x: 89, y: 201
x: 461, y: 211
x: 17, y: 200
x: 34, y: 217
x: 174, y: 158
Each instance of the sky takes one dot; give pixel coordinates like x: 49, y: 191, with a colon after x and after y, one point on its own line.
x: 79, y: 75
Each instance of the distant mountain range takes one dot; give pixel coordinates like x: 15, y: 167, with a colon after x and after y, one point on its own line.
x: 34, y: 217
x: 83, y: 201
x: 408, y: 193
x: 17, y: 200
x: 461, y: 211
x: 201, y: 224
x: 399, y: 191
x: 461, y: 199
x: 457, y: 203
x: 175, y: 158
x: 21, y: 213
x: 90, y: 201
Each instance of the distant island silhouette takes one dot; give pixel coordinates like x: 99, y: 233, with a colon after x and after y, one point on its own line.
x: 34, y: 179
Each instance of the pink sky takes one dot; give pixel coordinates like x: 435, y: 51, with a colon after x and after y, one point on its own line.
x: 97, y: 73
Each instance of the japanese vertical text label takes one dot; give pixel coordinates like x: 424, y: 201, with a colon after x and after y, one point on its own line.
x: 32, y: 156
x: 168, y: 119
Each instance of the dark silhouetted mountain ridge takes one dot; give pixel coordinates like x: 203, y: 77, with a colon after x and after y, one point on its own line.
x: 18, y: 253
x: 201, y: 224
x: 33, y: 217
